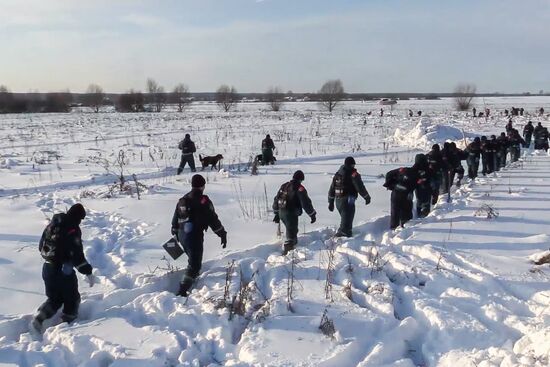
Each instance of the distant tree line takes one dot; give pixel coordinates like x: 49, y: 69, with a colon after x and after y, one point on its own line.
x: 156, y: 98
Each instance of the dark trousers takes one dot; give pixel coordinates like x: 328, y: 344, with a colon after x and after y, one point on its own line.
x: 346, y: 207
x: 514, y: 153
x: 290, y: 220
x: 61, y: 290
x: 502, y: 158
x: 446, y: 181
x: 487, y: 161
x: 473, y: 166
x: 423, y: 196
x: 401, y: 208
x: 459, y: 171
x: 267, y: 156
x: 436, y: 185
x: 527, y: 140
x: 187, y: 159
x: 193, y: 245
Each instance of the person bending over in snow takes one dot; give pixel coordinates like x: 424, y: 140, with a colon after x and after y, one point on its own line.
x: 193, y: 215
x: 61, y: 248
x: 289, y: 203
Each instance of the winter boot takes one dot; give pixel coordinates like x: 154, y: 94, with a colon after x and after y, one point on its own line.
x: 185, y: 286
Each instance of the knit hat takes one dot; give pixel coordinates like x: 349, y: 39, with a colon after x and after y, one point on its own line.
x: 77, y: 212
x: 197, y: 181
x: 349, y: 161
x: 298, y: 176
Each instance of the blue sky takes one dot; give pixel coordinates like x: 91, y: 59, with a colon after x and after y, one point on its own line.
x: 371, y: 45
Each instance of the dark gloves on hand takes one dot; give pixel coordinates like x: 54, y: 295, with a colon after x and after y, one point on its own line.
x: 313, y: 218
x: 223, y: 237
x: 85, y: 269
x: 276, y: 219
x: 367, y: 200
x: 331, y: 206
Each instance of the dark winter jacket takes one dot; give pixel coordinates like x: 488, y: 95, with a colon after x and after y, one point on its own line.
x: 474, y: 150
x: 423, y: 171
x: 68, y: 248
x: 267, y: 143
x: 528, y: 130
x: 196, y: 209
x: 187, y: 147
x: 293, y: 198
x: 347, y: 182
x: 402, y: 180
x: 435, y: 160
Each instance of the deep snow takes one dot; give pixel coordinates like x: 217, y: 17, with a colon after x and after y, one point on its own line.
x: 453, y: 289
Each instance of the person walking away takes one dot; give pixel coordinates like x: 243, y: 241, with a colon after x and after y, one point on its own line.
x: 509, y: 126
x: 346, y: 186
x: 516, y: 142
x: 486, y: 156
x: 474, y: 152
x: 187, y: 148
x: 61, y: 248
x: 504, y: 145
x: 423, y: 189
x: 402, y: 182
x: 456, y: 158
x: 528, y: 133
x: 538, y: 135
x: 474, y: 112
x: 289, y: 203
x: 496, y: 153
x: 193, y: 215
x: 267, y: 150
x: 435, y: 161
x: 446, y: 158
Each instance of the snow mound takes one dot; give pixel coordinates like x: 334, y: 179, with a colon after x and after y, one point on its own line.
x: 426, y: 133
x: 7, y: 163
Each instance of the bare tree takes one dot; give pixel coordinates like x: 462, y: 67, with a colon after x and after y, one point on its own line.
x: 156, y: 95
x: 464, y: 94
x: 94, y: 97
x: 331, y: 93
x: 275, y: 98
x: 130, y: 102
x: 181, y: 96
x: 226, y: 97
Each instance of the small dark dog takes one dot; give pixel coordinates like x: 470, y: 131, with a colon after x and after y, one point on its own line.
x: 214, y: 161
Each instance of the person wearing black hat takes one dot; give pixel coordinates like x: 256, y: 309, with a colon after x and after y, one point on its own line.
x: 515, y: 142
x: 61, y: 248
x: 402, y: 182
x: 289, y: 203
x: 193, y: 215
x: 474, y: 153
x: 435, y: 161
x: 267, y: 150
x: 528, y: 133
x: 503, y: 144
x: 187, y: 148
x: 346, y: 186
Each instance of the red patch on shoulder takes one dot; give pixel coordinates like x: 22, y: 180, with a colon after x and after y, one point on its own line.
x: 354, y: 174
x: 301, y: 188
x: 402, y: 169
x: 204, y: 200
x: 72, y: 230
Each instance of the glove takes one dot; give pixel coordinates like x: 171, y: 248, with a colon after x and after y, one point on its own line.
x: 313, y: 219
x: 276, y: 219
x: 331, y: 206
x: 91, y: 280
x: 174, y: 231
x: 223, y: 237
x: 85, y: 269
x: 367, y: 200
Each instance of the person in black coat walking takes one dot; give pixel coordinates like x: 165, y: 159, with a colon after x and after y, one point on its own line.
x: 187, y: 148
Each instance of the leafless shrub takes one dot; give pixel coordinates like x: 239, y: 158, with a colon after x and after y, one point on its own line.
x: 94, y: 97
x: 327, y: 325
x: 331, y: 94
x: 226, y: 97
x: 290, y: 281
x: 464, y: 94
x: 275, y: 98
x: 156, y: 95
x: 375, y: 261
x: 486, y: 211
x: 331, y: 253
x: 181, y: 96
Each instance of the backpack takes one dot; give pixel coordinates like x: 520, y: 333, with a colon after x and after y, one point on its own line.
x: 342, y: 185
x: 53, y: 244
x: 286, y: 196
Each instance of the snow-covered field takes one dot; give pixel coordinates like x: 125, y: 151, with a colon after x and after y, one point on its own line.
x: 453, y: 289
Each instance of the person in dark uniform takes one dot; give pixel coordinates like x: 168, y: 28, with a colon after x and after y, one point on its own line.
x: 61, y: 248
x: 402, y: 182
x: 503, y: 144
x: 435, y: 160
x: 423, y: 189
x: 193, y: 215
x: 509, y: 126
x: 267, y: 150
x: 528, y: 133
x: 455, y: 160
x: 486, y: 156
x: 446, y: 159
x: 515, y: 144
x: 346, y: 186
x: 538, y: 134
x: 187, y: 148
x: 474, y: 112
x: 474, y: 152
x: 496, y: 153
x: 289, y: 203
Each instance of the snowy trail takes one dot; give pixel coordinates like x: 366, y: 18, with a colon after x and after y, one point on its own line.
x: 430, y: 294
